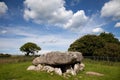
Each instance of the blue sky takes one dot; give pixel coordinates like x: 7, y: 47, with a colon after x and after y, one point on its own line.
x: 54, y: 24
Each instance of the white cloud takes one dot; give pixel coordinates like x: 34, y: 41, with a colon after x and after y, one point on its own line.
x: 48, y: 42
x: 117, y: 24
x: 98, y: 30
x: 18, y: 31
x: 78, y: 20
x: 93, y: 22
x: 3, y: 8
x: 52, y: 43
x: 3, y: 32
x: 111, y: 9
x: 53, y: 12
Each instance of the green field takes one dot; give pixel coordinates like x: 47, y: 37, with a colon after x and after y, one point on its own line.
x: 17, y: 71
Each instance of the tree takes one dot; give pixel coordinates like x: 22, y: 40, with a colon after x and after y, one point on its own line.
x: 29, y: 48
x: 87, y: 44
x: 110, y: 50
x: 104, y: 44
x: 109, y: 37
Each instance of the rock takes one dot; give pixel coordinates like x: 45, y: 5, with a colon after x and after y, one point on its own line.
x: 39, y: 67
x: 48, y: 68
x: 77, y: 67
x: 73, y: 72
x: 32, y: 67
x: 58, y: 58
x: 59, y: 62
x: 58, y: 71
x: 82, y: 66
x: 70, y: 71
x: 51, y: 69
x: 94, y: 73
x: 76, y: 55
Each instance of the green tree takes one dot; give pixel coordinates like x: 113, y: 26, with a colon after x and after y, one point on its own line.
x: 87, y: 44
x: 109, y: 37
x: 104, y: 44
x: 110, y: 50
x: 29, y: 48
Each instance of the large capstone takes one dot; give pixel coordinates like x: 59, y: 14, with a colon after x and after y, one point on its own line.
x: 58, y: 58
x: 59, y: 62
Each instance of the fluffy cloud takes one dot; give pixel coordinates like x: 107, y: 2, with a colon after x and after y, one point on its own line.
x: 111, y: 9
x: 78, y: 19
x: 117, y: 24
x: 53, y: 12
x: 92, y: 23
x: 3, y: 8
x: 97, y: 30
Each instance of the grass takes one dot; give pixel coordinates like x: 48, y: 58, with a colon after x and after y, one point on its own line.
x: 15, y: 59
x: 17, y: 71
